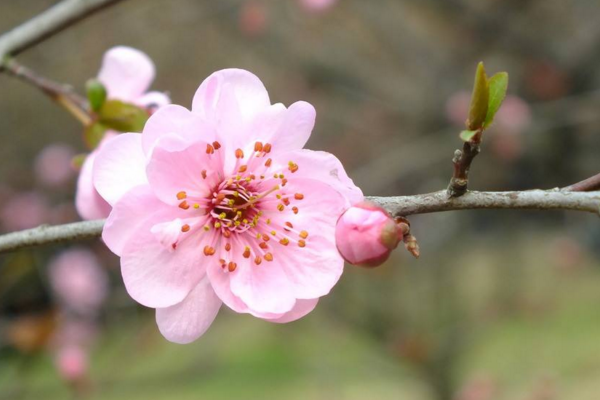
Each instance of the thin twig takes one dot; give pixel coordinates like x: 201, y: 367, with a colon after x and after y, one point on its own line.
x: 586, y: 185
x: 554, y: 199
x: 48, y: 23
x: 462, y: 164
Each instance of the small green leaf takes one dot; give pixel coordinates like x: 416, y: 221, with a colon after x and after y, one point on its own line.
x: 479, y: 99
x: 466, y: 136
x: 96, y: 93
x: 123, y: 117
x: 93, y: 134
x: 498, y: 86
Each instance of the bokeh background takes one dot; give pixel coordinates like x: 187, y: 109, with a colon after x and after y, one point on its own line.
x: 501, y: 305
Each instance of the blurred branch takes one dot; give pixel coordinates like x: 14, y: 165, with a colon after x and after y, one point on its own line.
x: 60, y: 93
x: 554, y: 199
x: 50, y: 234
x: 48, y: 23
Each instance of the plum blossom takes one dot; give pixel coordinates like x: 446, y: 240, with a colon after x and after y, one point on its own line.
x: 221, y: 204
x: 317, y: 5
x: 126, y: 73
x: 366, y: 235
x: 53, y: 166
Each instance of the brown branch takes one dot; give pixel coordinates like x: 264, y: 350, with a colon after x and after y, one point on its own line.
x: 50, y: 22
x: 586, y: 185
x: 462, y: 164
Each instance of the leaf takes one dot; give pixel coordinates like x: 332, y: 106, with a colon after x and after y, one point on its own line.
x: 466, y: 136
x: 479, y: 99
x: 96, y: 93
x: 498, y: 86
x: 93, y: 134
x: 123, y: 117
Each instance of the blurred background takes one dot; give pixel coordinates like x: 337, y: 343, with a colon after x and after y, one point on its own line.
x: 501, y: 305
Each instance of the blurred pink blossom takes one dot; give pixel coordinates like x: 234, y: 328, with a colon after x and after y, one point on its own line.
x: 127, y: 74
x: 253, y: 18
x: 23, y: 211
x: 366, y: 235
x: 53, y: 165
x: 72, y: 362
x: 79, y: 281
x: 222, y: 204
x: 317, y: 5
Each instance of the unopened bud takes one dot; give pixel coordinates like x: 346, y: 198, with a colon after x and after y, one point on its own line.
x: 366, y: 235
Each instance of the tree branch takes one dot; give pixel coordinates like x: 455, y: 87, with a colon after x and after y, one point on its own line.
x: 586, y: 185
x: 462, y: 164
x: 554, y: 199
x: 48, y: 23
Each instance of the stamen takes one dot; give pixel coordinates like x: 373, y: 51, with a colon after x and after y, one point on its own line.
x: 184, y: 205
x: 301, y: 243
x: 209, y: 251
x: 227, y: 246
x: 185, y: 228
x: 209, y: 149
x: 257, y: 260
x: 269, y: 257
x: 216, y: 145
x: 239, y: 153
x: 265, y: 237
x: 243, y: 169
x: 231, y: 266
x: 286, y: 201
x: 303, y: 234
x: 263, y: 245
x: 292, y: 166
x: 295, y: 210
x: 280, y: 207
x: 246, y: 253
x: 258, y: 146
x: 203, y: 174
x: 227, y: 233
x: 298, y: 196
x: 268, y: 162
x: 284, y: 241
x: 181, y: 195
x: 267, y: 148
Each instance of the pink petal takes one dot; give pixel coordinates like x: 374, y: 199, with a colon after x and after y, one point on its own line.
x: 127, y: 216
x: 186, y: 321
x: 178, y: 121
x: 221, y: 284
x: 301, y: 308
x: 171, y: 172
x: 248, y: 91
x: 90, y: 205
x: 119, y: 166
x: 126, y: 73
x: 324, y: 167
x: 295, y: 130
x: 158, y: 276
x: 153, y: 100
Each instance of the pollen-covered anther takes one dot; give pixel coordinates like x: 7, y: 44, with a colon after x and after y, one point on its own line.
x: 284, y: 241
x: 280, y: 207
x: 185, y: 228
x: 227, y: 246
x: 258, y: 146
x: 239, y: 153
x: 284, y: 182
x: 298, y: 196
x: 209, y: 251
x: 231, y: 266
x: 203, y: 173
x: 210, y: 149
x: 286, y: 201
x: 288, y: 225
x: 216, y: 145
x: 184, y: 205
x: 243, y: 168
x: 246, y: 252
x: 263, y: 245
x: 268, y: 163
x: 292, y: 166
x: 303, y: 234
x: 266, y: 237
x: 267, y: 148
x: 227, y: 233
x: 269, y: 257
x: 181, y: 195
x: 257, y: 260
x: 295, y: 210
x: 301, y: 243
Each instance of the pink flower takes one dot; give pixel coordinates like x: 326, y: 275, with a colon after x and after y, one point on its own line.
x: 317, y: 5
x: 366, y: 235
x: 53, y: 165
x: 126, y: 73
x: 221, y: 204
x: 79, y: 281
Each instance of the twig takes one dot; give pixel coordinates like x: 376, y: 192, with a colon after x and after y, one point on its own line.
x: 462, y: 164
x: 554, y: 199
x: 62, y: 94
x: 586, y: 185
x: 50, y: 234
x: 48, y: 23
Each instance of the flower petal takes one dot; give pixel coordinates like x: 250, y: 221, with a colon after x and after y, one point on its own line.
x: 128, y: 214
x: 126, y: 73
x: 171, y: 172
x: 119, y: 166
x: 186, y: 321
x: 301, y: 308
x: 324, y: 167
x: 153, y: 100
x: 158, y: 276
x: 296, y: 128
x: 175, y: 120
x: 90, y: 205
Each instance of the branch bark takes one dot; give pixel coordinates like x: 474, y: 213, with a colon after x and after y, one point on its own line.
x: 48, y: 23
x: 586, y: 185
x: 462, y: 164
x: 554, y: 199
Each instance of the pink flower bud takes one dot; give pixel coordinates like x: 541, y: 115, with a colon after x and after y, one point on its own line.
x: 366, y: 235
x: 72, y: 363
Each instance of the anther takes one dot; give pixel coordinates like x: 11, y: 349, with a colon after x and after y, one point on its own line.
x: 208, y: 251
x: 301, y: 243
x: 231, y: 266
x: 185, y: 228
x: 269, y: 257
x: 268, y: 163
x: 227, y: 233
x: 292, y: 166
x: 265, y: 237
x: 227, y: 246
x: 239, y: 153
x: 246, y: 253
x: 181, y: 195
x: 284, y: 241
x: 286, y: 201
x: 243, y: 169
x: 267, y: 148
x: 283, y: 182
x: 258, y: 146
x: 303, y: 234
x: 184, y: 205
x: 209, y: 149
x: 298, y: 196
x: 216, y: 145
x: 257, y: 260
x: 295, y: 210
x: 280, y: 207
x: 289, y: 225
x: 263, y: 245
x: 203, y: 174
